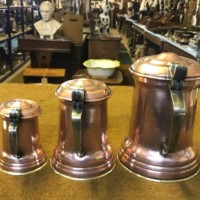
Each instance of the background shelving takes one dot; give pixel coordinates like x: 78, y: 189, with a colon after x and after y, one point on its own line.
x: 17, y: 19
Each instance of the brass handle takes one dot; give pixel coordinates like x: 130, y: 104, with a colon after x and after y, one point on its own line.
x: 14, y: 115
x: 179, y: 73
x: 78, y: 97
x: 177, y: 120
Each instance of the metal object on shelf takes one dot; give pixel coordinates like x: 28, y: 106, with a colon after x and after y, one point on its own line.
x: 21, y: 152
x: 83, y: 151
x: 159, y: 145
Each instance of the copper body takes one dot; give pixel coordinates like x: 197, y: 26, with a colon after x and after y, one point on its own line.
x: 159, y: 145
x: 22, y: 154
x: 93, y: 157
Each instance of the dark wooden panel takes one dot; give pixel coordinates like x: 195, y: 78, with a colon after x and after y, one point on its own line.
x: 35, y: 44
x: 104, y: 47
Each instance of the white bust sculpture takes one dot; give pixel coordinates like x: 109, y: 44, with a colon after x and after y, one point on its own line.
x: 47, y: 26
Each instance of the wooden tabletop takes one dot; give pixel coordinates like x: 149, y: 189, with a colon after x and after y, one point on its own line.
x: 116, y: 78
x: 120, y: 184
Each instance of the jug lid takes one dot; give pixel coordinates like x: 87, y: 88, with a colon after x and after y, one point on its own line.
x: 159, y: 66
x: 28, y: 108
x: 94, y: 90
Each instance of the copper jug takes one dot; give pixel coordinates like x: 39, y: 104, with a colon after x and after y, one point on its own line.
x: 159, y: 145
x: 83, y: 151
x: 21, y: 151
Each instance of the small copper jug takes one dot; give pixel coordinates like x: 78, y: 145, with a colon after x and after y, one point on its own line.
x: 159, y: 144
x: 83, y: 151
x: 21, y: 150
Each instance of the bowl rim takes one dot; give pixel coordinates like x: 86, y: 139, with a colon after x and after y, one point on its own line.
x: 116, y: 63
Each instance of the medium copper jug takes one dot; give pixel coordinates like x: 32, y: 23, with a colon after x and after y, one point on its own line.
x: 159, y: 145
x: 21, y: 151
x: 83, y: 151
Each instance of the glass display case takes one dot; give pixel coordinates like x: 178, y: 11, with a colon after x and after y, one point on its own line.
x: 17, y: 19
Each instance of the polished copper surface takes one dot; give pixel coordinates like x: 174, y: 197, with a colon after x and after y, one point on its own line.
x: 159, y: 145
x: 157, y: 66
x: 21, y: 151
x: 96, y: 90
x: 83, y: 150
x: 28, y: 108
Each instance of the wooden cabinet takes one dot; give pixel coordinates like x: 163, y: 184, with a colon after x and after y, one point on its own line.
x: 100, y: 47
x: 55, y: 53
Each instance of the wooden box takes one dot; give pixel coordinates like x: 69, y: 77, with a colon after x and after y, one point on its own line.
x: 100, y: 47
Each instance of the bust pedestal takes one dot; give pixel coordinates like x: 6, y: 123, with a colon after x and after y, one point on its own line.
x: 57, y: 53
x: 43, y: 49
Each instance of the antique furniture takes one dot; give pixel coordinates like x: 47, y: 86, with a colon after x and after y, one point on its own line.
x: 154, y: 42
x: 37, y: 75
x: 104, y: 47
x: 59, y: 53
x: 43, y: 49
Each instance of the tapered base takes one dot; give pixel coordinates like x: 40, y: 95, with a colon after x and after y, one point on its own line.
x: 152, y: 165
x: 82, y: 168
x: 24, y: 165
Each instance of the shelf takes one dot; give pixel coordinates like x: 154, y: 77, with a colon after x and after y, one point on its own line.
x: 28, y: 30
x: 164, y: 43
x: 28, y: 6
x: 3, y: 39
x: 16, y: 34
x: 14, y: 7
x: 3, y: 8
x: 7, y: 74
x: 15, y: 18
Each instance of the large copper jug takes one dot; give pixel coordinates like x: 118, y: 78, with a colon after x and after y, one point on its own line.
x: 21, y: 151
x: 159, y: 145
x: 83, y: 151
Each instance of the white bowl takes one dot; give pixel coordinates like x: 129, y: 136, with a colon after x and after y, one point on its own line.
x: 101, y: 68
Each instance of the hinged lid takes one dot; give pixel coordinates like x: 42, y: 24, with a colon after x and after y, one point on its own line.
x: 94, y: 90
x: 161, y: 66
x: 28, y: 108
